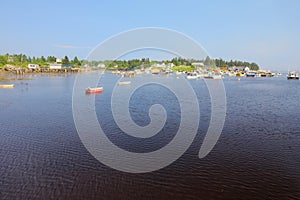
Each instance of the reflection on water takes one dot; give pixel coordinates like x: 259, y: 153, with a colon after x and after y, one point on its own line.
x: 257, y: 155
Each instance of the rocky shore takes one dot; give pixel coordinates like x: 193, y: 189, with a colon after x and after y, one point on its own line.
x: 23, y: 70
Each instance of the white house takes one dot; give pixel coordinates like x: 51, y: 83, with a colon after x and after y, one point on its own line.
x: 162, y: 65
x: 101, y: 65
x: 55, y: 66
x: 246, y: 69
x: 33, y: 66
x: 170, y: 65
x: 198, y: 64
x: 58, y: 60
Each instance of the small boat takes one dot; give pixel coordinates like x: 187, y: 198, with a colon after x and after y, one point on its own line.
x: 240, y: 74
x: 193, y: 75
x: 7, y: 86
x: 93, y: 90
x: 251, y: 74
x: 293, y: 75
x: 217, y: 76
x: 213, y: 75
x: 124, y: 83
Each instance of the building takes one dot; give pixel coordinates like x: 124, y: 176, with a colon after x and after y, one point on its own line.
x: 198, y: 64
x: 101, y: 65
x: 33, y: 66
x: 55, y: 66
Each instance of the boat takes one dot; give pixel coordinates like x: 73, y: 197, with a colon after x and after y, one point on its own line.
x: 193, y: 75
x: 93, y: 90
x: 7, y: 86
x: 217, y: 76
x: 251, y: 74
x: 293, y: 75
x: 213, y: 75
x: 240, y: 74
x: 124, y: 83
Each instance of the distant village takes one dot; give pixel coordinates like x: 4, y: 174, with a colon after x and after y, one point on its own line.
x: 20, y: 64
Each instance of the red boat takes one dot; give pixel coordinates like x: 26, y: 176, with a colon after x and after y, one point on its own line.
x: 93, y: 90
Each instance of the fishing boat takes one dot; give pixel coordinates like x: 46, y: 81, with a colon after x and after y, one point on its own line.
x: 293, y: 75
x: 93, y: 90
x: 7, y: 86
x: 124, y: 83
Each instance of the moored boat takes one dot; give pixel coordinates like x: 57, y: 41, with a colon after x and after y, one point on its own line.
x: 193, y: 75
x: 251, y: 74
x: 213, y: 75
x: 7, y: 86
x: 124, y: 83
x: 293, y: 75
x: 240, y: 74
x: 93, y: 90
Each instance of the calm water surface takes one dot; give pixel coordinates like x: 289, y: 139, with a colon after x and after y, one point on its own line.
x: 256, y: 157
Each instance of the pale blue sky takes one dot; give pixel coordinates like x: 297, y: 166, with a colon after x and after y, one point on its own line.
x: 263, y: 31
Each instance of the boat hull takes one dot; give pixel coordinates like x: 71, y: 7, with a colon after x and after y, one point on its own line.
x: 94, y: 90
x: 124, y: 83
x: 293, y: 78
x: 7, y: 86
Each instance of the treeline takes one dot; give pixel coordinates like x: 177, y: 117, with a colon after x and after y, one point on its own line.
x: 129, y: 64
x: 222, y: 63
x: 208, y: 62
x: 23, y: 60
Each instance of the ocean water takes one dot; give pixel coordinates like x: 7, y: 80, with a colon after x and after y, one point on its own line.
x: 256, y: 157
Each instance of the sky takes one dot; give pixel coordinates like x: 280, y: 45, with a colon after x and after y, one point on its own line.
x: 263, y: 31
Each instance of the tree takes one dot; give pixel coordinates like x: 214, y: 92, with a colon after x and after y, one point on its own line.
x: 254, y: 66
x: 51, y: 59
x: 43, y: 59
x: 3, y: 60
x: 75, y: 61
x: 65, y: 60
x: 207, y: 61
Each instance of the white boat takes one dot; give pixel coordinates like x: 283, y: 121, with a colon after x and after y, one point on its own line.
x: 7, y: 86
x: 213, y: 75
x: 293, y: 75
x: 124, y: 82
x: 193, y: 75
x: 216, y: 76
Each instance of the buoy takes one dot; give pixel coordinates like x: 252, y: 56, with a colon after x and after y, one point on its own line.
x: 239, y: 79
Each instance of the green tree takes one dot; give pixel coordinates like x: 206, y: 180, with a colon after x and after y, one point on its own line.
x: 3, y: 60
x: 76, y: 61
x: 65, y: 60
x: 51, y: 59
x: 43, y: 59
x: 207, y: 61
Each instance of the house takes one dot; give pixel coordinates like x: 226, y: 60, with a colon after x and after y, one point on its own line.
x: 58, y: 60
x: 33, y: 66
x: 247, y: 69
x: 198, y: 64
x: 170, y: 65
x: 161, y: 65
x: 55, y: 66
x: 101, y: 65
